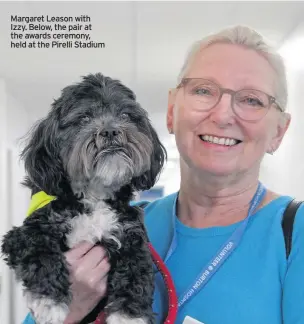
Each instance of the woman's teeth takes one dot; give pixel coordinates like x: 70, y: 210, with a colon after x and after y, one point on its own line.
x: 219, y: 140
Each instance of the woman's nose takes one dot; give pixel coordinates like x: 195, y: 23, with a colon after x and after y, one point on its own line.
x: 222, y: 113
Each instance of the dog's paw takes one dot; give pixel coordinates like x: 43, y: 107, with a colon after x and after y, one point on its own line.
x: 46, y: 311
x: 121, y: 318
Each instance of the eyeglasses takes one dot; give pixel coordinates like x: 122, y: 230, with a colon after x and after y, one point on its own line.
x: 247, y: 104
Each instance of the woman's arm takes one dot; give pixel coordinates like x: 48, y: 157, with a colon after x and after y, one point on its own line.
x: 293, y: 291
x: 89, y: 268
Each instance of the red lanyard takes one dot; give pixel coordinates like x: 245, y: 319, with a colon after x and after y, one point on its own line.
x: 172, y: 297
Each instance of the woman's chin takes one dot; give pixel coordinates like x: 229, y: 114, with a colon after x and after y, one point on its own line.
x: 218, y: 169
x: 212, y: 165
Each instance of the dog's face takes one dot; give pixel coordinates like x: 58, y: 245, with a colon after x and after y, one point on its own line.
x: 98, y: 138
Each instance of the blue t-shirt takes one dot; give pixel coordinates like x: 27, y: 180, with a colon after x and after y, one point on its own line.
x: 256, y: 284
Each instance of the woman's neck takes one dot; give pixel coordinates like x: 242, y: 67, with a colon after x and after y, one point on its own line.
x: 207, y: 202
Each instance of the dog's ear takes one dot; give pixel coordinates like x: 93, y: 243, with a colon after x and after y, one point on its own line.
x: 158, y: 159
x: 41, y: 157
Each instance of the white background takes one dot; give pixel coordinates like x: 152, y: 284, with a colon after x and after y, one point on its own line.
x: 145, y: 46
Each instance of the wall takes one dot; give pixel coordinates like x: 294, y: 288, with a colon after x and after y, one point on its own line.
x: 14, y: 198
x: 5, y: 292
x: 18, y: 126
x: 291, y: 167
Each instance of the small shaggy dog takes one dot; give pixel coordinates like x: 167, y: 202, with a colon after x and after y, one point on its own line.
x: 92, y: 152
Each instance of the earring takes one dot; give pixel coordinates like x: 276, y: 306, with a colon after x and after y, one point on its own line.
x: 170, y: 131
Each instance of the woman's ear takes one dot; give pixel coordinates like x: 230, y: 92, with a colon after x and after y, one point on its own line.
x: 170, y: 110
x: 281, y: 129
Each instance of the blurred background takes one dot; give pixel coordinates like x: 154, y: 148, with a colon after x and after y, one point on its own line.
x: 145, y: 44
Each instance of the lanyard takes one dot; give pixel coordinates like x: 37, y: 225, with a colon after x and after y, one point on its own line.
x: 221, y: 256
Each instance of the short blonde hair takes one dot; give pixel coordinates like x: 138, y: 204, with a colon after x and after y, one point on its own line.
x: 248, y: 37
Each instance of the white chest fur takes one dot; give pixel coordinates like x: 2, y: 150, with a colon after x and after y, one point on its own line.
x: 100, y: 224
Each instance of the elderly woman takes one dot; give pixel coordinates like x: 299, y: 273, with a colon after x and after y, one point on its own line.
x: 222, y: 226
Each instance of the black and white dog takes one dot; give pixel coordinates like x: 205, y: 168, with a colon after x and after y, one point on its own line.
x: 93, y: 151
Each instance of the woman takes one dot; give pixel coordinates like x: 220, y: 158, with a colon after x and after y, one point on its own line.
x: 226, y: 113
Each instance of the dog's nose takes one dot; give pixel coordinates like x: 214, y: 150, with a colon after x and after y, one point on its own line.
x: 109, y: 132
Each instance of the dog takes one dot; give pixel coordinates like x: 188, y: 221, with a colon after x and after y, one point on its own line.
x: 93, y: 151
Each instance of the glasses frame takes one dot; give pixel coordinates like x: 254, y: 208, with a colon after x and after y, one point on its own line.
x: 271, y: 99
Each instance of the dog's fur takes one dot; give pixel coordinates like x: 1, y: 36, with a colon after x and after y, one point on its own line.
x: 95, y: 148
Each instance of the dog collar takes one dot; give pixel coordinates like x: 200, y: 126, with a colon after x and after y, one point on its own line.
x: 39, y: 200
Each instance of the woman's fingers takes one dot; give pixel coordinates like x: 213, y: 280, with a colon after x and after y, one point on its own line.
x: 94, y: 256
x: 78, y: 251
x: 90, y: 267
x: 97, y: 279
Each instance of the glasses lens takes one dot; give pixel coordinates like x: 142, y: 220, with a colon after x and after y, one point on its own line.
x: 201, y: 94
x: 251, y: 104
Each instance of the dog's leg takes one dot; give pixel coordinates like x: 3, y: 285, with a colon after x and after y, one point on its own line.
x: 41, y: 268
x: 131, y: 285
x: 47, y: 295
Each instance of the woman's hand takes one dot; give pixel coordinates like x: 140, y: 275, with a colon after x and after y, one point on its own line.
x: 89, y: 269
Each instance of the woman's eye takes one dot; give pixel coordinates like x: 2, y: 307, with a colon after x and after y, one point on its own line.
x: 254, y: 102
x: 202, y: 92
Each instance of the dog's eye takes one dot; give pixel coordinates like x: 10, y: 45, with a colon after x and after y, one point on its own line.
x: 84, y: 120
x: 124, y: 115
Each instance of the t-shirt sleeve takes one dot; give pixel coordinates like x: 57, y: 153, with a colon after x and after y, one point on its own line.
x: 293, y: 290
x: 28, y: 320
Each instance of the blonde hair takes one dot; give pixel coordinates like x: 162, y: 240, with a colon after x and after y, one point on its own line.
x: 245, y: 36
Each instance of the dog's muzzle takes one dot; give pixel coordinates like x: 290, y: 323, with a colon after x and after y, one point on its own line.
x: 108, y: 137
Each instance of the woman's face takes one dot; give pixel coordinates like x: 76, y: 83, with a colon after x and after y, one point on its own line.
x: 233, y: 67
